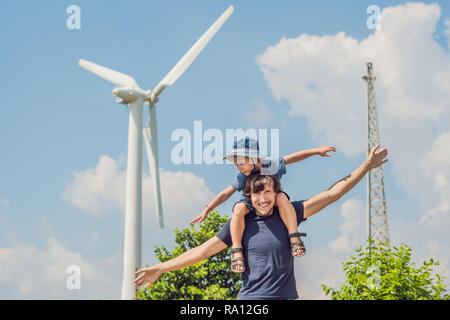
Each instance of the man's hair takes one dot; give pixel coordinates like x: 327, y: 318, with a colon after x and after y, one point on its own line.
x: 256, y: 182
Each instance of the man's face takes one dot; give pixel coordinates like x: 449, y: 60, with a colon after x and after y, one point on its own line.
x: 264, y: 201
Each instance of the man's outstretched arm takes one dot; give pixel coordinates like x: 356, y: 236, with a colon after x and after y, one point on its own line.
x: 316, y: 203
x: 188, y: 258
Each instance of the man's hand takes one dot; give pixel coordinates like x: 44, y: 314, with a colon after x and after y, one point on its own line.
x: 323, y: 151
x: 201, y: 217
x: 149, y: 275
x: 377, y: 157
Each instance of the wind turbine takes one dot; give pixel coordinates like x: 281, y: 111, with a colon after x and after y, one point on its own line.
x: 129, y: 93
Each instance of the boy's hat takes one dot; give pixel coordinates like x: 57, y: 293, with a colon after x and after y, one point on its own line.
x: 246, y: 147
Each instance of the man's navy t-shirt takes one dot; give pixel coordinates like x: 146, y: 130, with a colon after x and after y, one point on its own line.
x: 269, y: 272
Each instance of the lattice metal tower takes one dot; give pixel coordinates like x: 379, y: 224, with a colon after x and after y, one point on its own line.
x: 377, y: 224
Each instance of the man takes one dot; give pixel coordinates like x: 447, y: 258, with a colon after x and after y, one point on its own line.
x: 270, y: 272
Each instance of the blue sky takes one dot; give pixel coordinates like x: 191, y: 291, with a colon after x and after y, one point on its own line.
x: 59, y: 119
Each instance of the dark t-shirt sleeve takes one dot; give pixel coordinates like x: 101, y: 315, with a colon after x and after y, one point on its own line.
x: 298, y: 206
x: 225, y: 235
x: 239, y: 182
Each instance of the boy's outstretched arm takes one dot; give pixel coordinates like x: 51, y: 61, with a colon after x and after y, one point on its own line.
x: 303, y: 154
x: 219, y: 199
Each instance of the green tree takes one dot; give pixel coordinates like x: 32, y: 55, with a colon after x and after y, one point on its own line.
x: 380, y: 272
x: 211, y: 279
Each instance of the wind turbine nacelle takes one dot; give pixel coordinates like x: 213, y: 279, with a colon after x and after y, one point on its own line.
x: 129, y: 94
x: 151, y: 98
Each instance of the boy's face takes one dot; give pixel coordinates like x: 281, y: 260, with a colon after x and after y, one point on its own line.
x: 244, y: 165
x: 264, y: 201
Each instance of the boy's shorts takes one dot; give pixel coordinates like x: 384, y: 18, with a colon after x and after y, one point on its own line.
x: 247, y: 201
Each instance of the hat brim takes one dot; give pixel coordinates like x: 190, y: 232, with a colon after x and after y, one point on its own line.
x: 251, y: 155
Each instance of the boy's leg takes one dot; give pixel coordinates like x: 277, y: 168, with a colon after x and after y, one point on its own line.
x: 237, y: 226
x: 289, y: 217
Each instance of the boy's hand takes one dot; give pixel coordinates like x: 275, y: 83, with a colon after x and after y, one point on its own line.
x: 322, y: 151
x: 201, y: 217
x: 377, y: 157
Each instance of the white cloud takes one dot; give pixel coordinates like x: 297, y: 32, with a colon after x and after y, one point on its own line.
x: 323, y: 265
x: 428, y: 239
x: 315, y: 74
x: 319, y: 266
x: 320, y: 77
x: 259, y: 115
x: 442, y: 254
x: 28, y: 272
x: 44, y: 227
x: 4, y: 202
x: 98, y: 190
x: 436, y: 165
x: 102, y: 190
x: 353, y: 227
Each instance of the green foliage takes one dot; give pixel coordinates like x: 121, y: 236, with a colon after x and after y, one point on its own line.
x: 380, y: 272
x: 210, y: 279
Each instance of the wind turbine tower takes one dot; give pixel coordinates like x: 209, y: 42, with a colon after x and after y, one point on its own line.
x: 377, y: 224
x: 129, y: 93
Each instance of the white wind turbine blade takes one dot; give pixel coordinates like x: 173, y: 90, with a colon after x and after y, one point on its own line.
x: 151, y: 145
x: 193, y: 52
x: 119, y: 79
